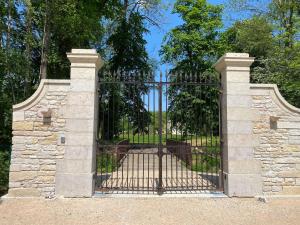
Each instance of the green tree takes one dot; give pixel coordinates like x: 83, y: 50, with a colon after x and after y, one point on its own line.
x: 194, y: 44
x: 35, y: 36
x: 129, y: 58
x: 259, y: 44
x: 191, y: 48
x: 271, y: 37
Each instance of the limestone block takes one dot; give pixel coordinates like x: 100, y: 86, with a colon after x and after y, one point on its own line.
x: 259, y: 92
x: 243, y: 185
x: 23, y: 167
x: 241, y: 114
x: 82, y: 85
x: 24, y: 192
x: 50, y: 140
x: 79, y: 152
x: 18, y: 140
x: 22, y: 175
x: 244, y: 166
x: 289, y: 181
x: 80, y: 125
x: 22, y: 125
x: 47, y: 161
x: 45, y: 179
x: 79, y: 112
x: 277, y: 189
x: 46, y: 173
x: 59, y: 88
x: 83, y: 73
x: 240, y: 89
x: 241, y: 153
x: 79, y: 139
x: 289, y: 125
x: 238, y: 140
x: 18, y: 116
x: 74, y: 185
x: 239, y: 127
x: 291, y: 190
x: 40, y: 126
x: 32, y: 133
x: 240, y: 101
x: 75, y: 166
x: 48, y: 167
x: 294, y: 174
x: 18, y: 147
x: 238, y: 77
x: 294, y: 140
x: 82, y: 98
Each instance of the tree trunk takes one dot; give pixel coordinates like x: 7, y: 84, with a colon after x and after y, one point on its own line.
x: 28, y: 49
x: 7, y: 58
x: 45, y: 44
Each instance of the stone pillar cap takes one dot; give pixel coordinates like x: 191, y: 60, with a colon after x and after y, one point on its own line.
x: 231, y: 60
x: 84, y: 51
x: 83, y: 58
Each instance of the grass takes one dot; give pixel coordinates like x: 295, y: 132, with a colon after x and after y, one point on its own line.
x: 209, y: 161
x: 154, y: 139
x: 106, y: 163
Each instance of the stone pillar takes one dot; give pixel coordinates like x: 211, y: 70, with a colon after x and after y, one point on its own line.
x: 75, y: 173
x: 242, y: 173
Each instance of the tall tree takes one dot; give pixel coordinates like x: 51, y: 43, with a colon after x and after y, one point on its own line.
x: 259, y: 44
x: 46, y: 39
x: 274, y: 41
x: 286, y: 15
x: 194, y: 44
x: 191, y: 48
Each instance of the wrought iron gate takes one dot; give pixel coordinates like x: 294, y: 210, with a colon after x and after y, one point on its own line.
x: 159, y: 133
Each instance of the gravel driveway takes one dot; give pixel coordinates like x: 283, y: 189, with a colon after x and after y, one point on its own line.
x: 159, y: 210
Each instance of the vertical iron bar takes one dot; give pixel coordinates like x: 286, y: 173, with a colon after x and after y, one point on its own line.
x: 220, y: 131
x: 160, y: 149
x: 127, y: 170
x: 197, y: 170
x: 144, y: 170
x: 132, y: 168
x: 138, y: 170
x: 106, y: 172
x: 148, y: 177
x: 148, y: 93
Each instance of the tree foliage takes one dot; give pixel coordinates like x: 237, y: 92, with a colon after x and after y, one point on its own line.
x: 194, y: 44
x: 191, y: 48
x: 129, y: 58
x: 36, y: 35
x: 272, y: 37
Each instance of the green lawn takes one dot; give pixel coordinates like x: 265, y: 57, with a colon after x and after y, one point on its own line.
x: 209, y: 161
x: 106, y: 163
x: 154, y: 139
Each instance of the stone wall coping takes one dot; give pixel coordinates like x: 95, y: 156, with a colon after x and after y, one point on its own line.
x: 31, y: 101
x: 282, y: 101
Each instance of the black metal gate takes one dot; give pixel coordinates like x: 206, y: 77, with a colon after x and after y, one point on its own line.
x: 159, y: 133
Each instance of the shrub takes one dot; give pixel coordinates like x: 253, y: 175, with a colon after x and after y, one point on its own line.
x: 4, y: 168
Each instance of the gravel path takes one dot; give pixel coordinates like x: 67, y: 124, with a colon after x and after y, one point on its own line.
x: 140, y: 170
x: 139, y: 211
